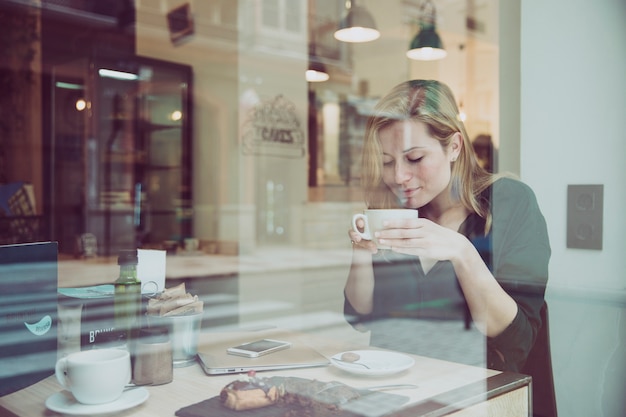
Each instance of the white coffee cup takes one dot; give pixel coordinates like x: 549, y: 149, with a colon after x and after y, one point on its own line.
x: 191, y: 244
x: 95, y: 376
x: 374, y: 219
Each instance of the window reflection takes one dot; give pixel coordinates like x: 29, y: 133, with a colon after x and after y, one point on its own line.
x: 280, y: 216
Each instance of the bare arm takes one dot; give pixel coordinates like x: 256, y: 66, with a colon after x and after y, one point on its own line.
x: 359, y: 289
x: 491, y: 307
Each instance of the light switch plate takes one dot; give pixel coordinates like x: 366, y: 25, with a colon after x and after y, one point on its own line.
x: 585, y: 207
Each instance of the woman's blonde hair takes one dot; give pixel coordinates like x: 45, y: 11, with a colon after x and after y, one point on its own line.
x: 432, y: 103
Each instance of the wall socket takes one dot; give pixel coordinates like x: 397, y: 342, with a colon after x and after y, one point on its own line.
x: 584, y: 216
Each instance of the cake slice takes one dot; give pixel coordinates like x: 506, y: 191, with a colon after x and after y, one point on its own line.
x: 317, y: 397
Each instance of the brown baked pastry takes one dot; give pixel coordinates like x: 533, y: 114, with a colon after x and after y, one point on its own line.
x: 317, y: 397
x: 249, y: 394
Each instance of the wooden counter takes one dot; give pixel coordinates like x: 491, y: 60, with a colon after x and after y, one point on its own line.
x: 96, y: 271
x: 190, y: 265
x: 444, y: 388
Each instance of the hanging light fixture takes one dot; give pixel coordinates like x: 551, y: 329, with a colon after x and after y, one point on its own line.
x: 427, y: 45
x: 357, y: 26
x: 316, y: 72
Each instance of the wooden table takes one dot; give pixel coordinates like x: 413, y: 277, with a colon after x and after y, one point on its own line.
x: 444, y: 388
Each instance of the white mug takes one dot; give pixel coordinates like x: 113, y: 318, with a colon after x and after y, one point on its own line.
x: 95, y: 376
x: 191, y: 244
x: 374, y: 218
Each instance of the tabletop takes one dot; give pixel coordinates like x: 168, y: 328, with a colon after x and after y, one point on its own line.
x: 443, y: 388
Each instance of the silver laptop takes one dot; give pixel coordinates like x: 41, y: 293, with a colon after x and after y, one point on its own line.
x: 216, y: 361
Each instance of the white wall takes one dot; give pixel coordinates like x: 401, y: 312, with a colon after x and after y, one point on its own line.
x: 573, y: 131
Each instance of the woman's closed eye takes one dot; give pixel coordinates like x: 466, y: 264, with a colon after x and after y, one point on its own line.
x: 391, y: 162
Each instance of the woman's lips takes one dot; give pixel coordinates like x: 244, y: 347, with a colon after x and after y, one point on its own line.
x: 408, y: 193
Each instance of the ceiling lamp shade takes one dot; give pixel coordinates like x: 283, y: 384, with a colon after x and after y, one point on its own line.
x: 427, y: 45
x: 316, y: 72
x: 357, y: 26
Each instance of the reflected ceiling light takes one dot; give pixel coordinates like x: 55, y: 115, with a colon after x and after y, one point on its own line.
x: 81, y: 104
x: 316, y: 72
x: 69, y: 86
x: 118, y: 75
x: 427, y: 45
x: 176, y: 115
x: 357, y: 25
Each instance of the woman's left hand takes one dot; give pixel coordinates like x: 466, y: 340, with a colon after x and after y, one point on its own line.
x: 422, y: 237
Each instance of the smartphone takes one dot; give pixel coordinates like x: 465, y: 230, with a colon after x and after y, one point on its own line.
x: 258, y: 348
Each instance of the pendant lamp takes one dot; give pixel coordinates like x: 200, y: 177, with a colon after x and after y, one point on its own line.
x: 357, y: 26
x: 427, y: 45
x: 316, y: 72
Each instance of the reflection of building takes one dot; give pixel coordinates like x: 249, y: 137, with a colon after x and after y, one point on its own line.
x: 338, y: 132
x: 354, y: 114
x: 19, y: 221
x: 124, y: 171
x: 485, y: 152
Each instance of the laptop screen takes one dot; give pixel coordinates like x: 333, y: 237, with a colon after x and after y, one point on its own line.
x: 28, y: 314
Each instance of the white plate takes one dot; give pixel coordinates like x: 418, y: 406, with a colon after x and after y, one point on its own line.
x: 94, y: 291
x: 64, y: 402
x: 378, y: 362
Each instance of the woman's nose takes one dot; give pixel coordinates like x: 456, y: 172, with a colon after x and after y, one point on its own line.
x: 403, y: 173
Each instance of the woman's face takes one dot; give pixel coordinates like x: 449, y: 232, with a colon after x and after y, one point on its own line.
x: 415, y: 166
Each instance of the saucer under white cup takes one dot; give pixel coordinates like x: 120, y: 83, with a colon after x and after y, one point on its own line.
x: 64, y: 402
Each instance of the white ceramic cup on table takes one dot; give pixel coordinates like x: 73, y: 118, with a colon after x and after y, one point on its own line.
x: 191, y: 244
x: 374, y: 218
x: 96, y: 376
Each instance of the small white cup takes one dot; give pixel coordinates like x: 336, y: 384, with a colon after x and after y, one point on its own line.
x: 96, y: 376
x: 191, y: 244
x: 374, y: 221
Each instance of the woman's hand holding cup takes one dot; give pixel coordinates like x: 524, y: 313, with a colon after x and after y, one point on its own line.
x: 366, y: 224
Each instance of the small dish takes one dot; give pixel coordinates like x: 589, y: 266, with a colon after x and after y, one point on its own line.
x: 65, y: 403
x: 94, y: 291
x: 374, y: 362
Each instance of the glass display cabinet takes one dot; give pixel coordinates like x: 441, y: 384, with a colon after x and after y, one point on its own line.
x: 121, y: 154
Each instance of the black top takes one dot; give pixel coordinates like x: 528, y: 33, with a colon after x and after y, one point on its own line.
x: 517, y: 252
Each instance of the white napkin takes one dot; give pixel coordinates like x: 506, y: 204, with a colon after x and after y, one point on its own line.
x: 151, y: 270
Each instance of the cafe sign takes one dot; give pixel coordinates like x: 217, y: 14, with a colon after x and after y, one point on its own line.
x: 272, y: 128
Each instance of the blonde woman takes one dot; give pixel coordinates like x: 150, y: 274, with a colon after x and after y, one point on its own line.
x: 480, y: 242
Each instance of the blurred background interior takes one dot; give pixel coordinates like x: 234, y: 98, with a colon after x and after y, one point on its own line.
x: 145, y: 123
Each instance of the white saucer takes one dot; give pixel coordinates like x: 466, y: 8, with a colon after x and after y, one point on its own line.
x: 65, y: 403
x: 374, y: 363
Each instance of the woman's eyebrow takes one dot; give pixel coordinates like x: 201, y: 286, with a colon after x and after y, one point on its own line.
x: 414, y: 148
